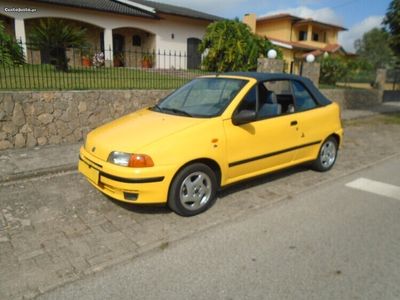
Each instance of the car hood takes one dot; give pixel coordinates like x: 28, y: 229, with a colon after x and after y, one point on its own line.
x: 135, y: 131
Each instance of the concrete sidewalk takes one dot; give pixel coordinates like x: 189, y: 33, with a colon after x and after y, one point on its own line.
x: 16, y: 164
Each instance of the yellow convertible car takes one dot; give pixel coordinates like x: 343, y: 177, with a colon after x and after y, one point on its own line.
x: 212, y: 132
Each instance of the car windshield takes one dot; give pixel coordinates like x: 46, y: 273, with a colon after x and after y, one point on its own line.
x: 202, y: 97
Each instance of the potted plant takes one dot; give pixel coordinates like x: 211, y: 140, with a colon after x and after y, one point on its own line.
x: 86, y: 57
x: 147, y: 61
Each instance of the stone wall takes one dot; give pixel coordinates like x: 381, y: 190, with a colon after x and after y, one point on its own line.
x: 353, y: 98
x: 311, y: 71
x: 28, y: 119
x: 270, y: 65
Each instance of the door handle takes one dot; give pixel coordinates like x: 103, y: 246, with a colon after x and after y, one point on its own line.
x: 293, y: 123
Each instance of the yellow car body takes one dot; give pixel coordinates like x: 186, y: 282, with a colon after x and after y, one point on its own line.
x: 173, y: 141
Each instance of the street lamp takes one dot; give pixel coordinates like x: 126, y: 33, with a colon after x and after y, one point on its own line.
x: 310, y: 58
x: 272, y: 54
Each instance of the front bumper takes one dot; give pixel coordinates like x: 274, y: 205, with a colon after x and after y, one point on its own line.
x: 142, y: 186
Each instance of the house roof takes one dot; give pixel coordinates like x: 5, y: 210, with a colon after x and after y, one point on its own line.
x: 330, y: 48
x: 298, y: 20
x: 137, y: 8
x: 323, y: 24
x: 178, y: 10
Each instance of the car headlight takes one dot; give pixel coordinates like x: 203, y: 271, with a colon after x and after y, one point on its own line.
x: 130, y: 160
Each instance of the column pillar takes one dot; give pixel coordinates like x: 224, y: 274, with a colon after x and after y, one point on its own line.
x: 20, y: 36
x: 380, y: 81
x: 108, y: 47
x: 309, y: 32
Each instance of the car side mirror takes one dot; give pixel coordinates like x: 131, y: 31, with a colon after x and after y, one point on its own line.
x: 243, y: 117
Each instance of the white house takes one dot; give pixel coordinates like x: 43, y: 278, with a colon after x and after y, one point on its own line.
x: 117, y: 26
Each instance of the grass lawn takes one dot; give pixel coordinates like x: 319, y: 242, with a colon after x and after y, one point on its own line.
x: 44, y: 77
x: 391, y: 118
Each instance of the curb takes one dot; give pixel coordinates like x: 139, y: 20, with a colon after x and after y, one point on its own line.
x: 37, y: 173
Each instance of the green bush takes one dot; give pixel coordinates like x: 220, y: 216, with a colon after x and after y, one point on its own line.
x: 10, y: 51
x: 333, y: 69
x: 229, y: 45
x: 341, y: 69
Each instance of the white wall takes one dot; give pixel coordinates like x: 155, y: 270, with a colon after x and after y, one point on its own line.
x: 182, y: 28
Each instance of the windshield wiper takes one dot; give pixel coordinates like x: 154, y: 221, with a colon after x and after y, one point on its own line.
x: 176, y: 111
x: 157, y: 107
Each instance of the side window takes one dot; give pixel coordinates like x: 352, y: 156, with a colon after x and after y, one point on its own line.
x: 282, y: 92
x: 303, y: 99
x: 249, y: 101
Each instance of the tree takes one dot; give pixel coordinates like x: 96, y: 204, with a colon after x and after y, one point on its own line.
x: 392, y: 21
x: 10, y: 51
x: 374, y: 48
x: 230, y: 46
x: 53, y: 36
x: 333, y: 69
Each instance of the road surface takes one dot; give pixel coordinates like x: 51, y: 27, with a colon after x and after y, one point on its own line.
x: 340, y: 240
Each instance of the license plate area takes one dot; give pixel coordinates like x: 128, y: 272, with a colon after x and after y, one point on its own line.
x: 91, y: 173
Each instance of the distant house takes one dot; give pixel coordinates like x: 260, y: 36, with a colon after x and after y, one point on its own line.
x: 297, y: 37
x: 117, y: 26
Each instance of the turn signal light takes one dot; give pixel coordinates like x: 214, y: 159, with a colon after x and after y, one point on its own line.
x: 140, y: 161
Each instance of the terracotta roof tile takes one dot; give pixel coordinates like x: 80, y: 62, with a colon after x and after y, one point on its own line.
x: 125, y: 9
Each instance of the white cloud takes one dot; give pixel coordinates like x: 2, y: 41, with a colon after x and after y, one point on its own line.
x: 347, y: 38
x: 324, y: 14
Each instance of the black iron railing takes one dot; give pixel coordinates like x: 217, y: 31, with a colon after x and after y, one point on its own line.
x: 89, y: 68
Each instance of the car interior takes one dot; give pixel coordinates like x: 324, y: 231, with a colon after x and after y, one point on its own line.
x: 277, y: 98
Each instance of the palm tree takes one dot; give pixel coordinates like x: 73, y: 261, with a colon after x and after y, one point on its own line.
x: 52, y: 37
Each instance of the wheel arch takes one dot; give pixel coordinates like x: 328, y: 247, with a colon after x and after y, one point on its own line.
x: 336, y: 137
x: 212, y: 164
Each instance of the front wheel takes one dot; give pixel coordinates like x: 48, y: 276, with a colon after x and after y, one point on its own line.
x: 327, y: 155
x: 193, y: 190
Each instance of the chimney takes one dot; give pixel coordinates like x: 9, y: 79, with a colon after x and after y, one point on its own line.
x: 250, y: 20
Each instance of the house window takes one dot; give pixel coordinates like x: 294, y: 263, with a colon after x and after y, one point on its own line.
x: 315, y: 37
x: 136, y: 41
x: 303, y: 35
x: 324, y: 37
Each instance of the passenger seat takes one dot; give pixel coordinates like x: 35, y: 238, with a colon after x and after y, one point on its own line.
x: 271, y: 107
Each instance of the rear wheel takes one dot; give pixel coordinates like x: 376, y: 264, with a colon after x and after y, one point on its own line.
x: 327, y: 155
x: 193, y: 190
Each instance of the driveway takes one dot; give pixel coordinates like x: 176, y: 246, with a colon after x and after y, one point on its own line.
x: 57, y: 229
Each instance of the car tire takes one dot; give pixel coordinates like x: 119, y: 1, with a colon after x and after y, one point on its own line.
x: 193, y: 190
x: 327, y: 155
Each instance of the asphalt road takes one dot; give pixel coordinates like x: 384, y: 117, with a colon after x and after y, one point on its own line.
x: 338, y: 241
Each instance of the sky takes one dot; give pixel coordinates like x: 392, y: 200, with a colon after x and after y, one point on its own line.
x: 358, y: 16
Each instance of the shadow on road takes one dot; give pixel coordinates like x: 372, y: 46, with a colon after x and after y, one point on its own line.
x: 151, y: 209
x: 159, y: 209
x: 259, y: 180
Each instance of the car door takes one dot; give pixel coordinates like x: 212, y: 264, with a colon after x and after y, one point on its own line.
x: 265, y: 144
x: 311, y: 120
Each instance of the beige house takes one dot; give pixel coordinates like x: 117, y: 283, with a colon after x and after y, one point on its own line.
x: 117, y: 27
x: 297, y: 37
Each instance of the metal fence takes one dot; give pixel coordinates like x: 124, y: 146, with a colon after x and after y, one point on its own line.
x: 89, y: 68
x: 393, y: 78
